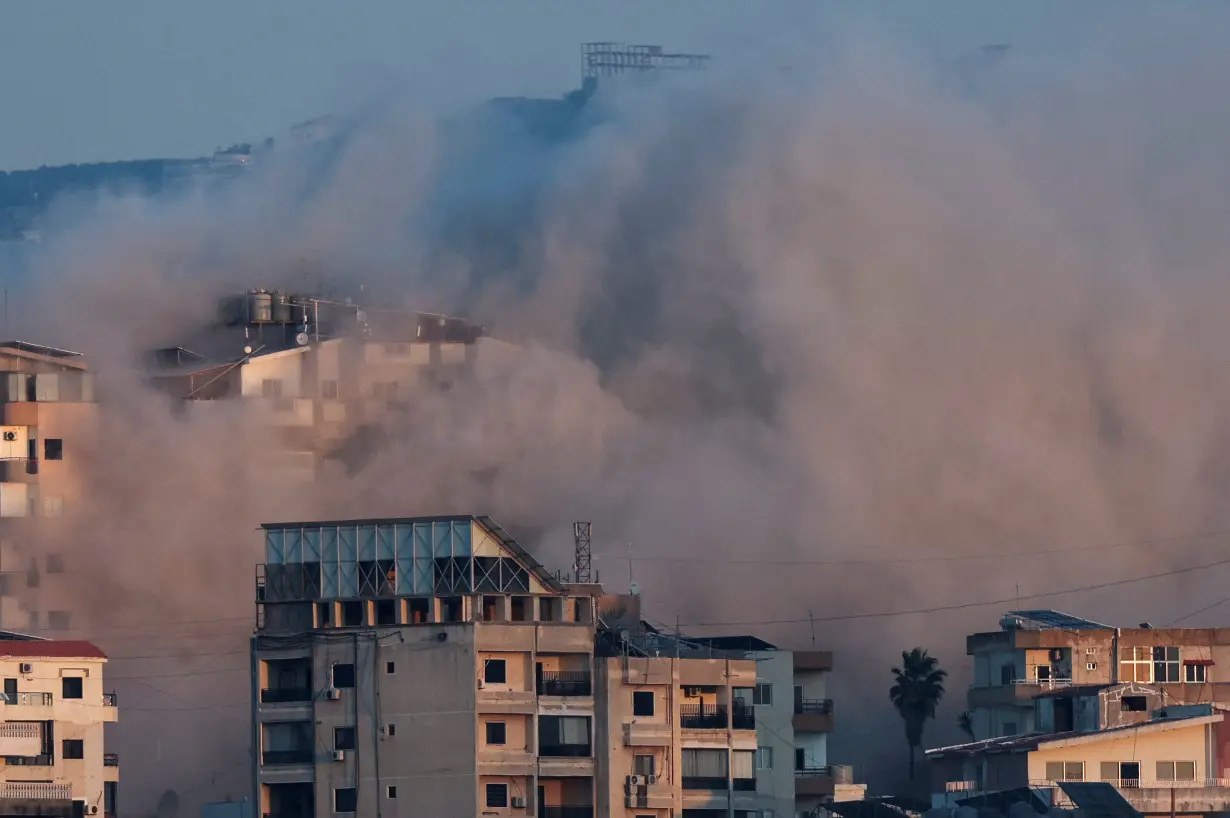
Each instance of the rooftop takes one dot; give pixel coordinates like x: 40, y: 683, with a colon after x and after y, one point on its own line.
x: 1048, y: 619
x: 49, y: 649
x: 1032, y: 741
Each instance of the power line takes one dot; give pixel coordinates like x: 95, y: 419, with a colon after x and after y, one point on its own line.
x: 964, y: 605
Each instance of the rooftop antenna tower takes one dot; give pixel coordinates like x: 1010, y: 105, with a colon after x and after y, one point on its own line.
x: 581, y: 535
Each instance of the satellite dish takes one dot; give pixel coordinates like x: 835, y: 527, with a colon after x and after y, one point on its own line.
x: 301, y: 339
x: 247, y: 350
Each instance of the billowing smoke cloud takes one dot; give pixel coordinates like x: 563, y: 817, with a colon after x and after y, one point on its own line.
x: 819, y: 345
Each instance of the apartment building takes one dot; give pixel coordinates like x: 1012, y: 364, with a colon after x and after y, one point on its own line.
x: 48, y: 415
x: 52, y: 716
x: 1162, y: 759
x: 1039, y: 651
x: 433, y: 666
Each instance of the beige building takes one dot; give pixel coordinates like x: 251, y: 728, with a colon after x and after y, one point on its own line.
x: 1039, y: 651
x: 430, y: 666
x: 52, y: 718
x: 1162, y: 759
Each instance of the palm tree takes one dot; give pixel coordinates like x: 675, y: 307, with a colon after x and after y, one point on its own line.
x: 918, y: 688
x: 965, y: 721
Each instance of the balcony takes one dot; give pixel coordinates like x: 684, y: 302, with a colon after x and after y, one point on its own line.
x: 110, y: 700
x: 565, y: 683
x: 744, y: 785
x: 274, y: 757
x: 698, y: 783
x: 29, y: 700
x: 586, y: 811
x: 111, y: 759
x: 28, y: 761
x: 647, y: 734
x: 743, y: 718
x: 21, y: 738
x: 813, y: 781
x: 813, y: 716
x: 1018, y: 692
x: 704, y: 717
x: 286, y: 695
x: 36, y: 791
x: 565, y: 751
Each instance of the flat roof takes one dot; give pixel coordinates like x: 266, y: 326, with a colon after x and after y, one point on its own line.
x: 1032, y: 741
x: 50, y: 649
x: 1046, y: 618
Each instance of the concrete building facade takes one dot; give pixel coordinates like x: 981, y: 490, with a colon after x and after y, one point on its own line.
x: 1039, y: 651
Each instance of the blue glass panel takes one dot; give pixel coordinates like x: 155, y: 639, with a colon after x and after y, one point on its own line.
x: 348, y: 580
x: 405, y: 540
x: 273, y: 547
x: 442, y: 540
x: 346, y: 547
x: 423, y: 573
x: 328, y: 546
x: 422, y: 541
x: 384, y: 542
x: 461, y: 538
x: 405, y: 571
x: 367, y: 542
x: 328, y: 580
x: 293, y: 548
x: 311, y: 545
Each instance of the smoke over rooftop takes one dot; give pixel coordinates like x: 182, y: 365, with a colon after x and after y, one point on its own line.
x: 834, y: 343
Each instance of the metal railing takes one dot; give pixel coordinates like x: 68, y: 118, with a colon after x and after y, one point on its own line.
x: 285, y: 695
x: 286, y: 757
x: 36, y: 791
x: 702, y: 783
x: 110, y: 700
x: 813, y: 772
x: 586, y: 811
x: 21, y: 729
x: 565, y: 750
x: 961, y: 786
x: 820, y: 707
x: 28, y: 761
x: 565, y: 683
x: 703, y: 717
x: 111, y: 759
x: 743, y: 717
x: 30, y: 699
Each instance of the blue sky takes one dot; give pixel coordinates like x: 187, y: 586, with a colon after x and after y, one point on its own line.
x: 92, y: 81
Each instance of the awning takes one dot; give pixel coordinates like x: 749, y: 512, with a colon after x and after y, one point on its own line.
x: 1203, y: 662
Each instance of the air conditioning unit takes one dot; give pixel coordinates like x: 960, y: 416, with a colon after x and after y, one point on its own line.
x: 518, y: 802
x: 93, y: 809
x: 653, y: 779
x: 636, y: 780
x: 10, y: 436
x: 333, y: 694
x: 26, y: 667
x: 339, y: 755
x: 480, y: 684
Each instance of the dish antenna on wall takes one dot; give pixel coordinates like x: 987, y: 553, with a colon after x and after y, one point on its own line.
x: 302, y: 339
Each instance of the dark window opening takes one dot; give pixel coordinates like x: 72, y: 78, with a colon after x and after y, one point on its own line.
x: 386, y: 612
x: 497, y: 796
x: 343, y: 676
x: 642, y: 703
x: 71, y: 687
x: 550, y: 609
x: 10, y: 690
x: 450, y: 609
x: 1135, y: 704
x: 391, y: 729
x: 73, y: 748
x: 581, y: 609
x: 324, y: 614
x: 345, y: 799
x: 643, y: 765
x: 390, y: 668
x: 53, y: 448
x: 497, y: 733
x: 495, y: 671
x: 352, y: 614
x: 55, y: 563
x: 343, y: 738
x: 493, y: 609
x: 522, y: 608
x: 392, y: 791
x: 1006, y: 672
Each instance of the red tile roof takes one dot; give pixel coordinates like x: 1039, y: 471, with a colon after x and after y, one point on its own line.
x: 50, y: 649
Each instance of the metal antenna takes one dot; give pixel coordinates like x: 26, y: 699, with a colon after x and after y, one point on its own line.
x: 581, y: 535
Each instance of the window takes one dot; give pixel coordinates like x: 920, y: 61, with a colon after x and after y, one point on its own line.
x: 763, y: 694
x: 495, y: 671
x: 74, y: 748
x: 764, y: 758
x: 389, y: 668
x: 704, y: 769
x: 390, y: 729
x: 1165, y: 665
x: 343, y: 738
x: 1006, y: 674
x: 642, y: 703
x: 272, y: 388
x: 1194, y: 674
x: 1176, y: 771
x: 1125, y: 774
x: 800, y: 758
x: 1010, y: 728
x: 70, y: 687
x: 345, y: 799
x: 10, y: 690
x: 392, y: 792
x: 343, y: 676
x: 328, y: 391
x: 1091, y: 666
x: 58, y: 620
x: 497, y: 733
x: 497, y: 795
x: 1042, y: 673
x: 109, y: 799
x: 53, y: 506
x: 642, y: 765
x: 1136, y: 665
x: 53, y: 448
x: 55, y: 563
x: 1134, y: 704
x: 1065, y: 771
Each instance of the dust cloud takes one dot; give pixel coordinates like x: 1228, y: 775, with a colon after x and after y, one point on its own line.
x: 841, y: 342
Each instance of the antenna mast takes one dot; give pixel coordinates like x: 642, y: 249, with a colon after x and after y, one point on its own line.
x: 581, y: 535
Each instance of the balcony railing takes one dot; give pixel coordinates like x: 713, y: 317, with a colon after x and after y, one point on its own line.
x: 111, y: 759
x: 36, y: 791
x: 586, y: 811
x: 284, y: 695
x: 813, y: 772
x: 744, y: 785
x: 287, y: 757
x: 703, y: 717
x: 699, y: 783
x: 819, y: 707
x: 28, y: 761
x: 110, y: 700
x: 30, y: 699
x: 565, y: 750
x: 565, y: 683
x: 743, y: 718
